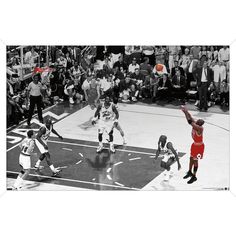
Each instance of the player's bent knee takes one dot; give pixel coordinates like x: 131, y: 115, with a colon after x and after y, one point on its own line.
x: 27, y: 171
x: 165, y: 165
x: 42, y: 156
x: 48, y: 159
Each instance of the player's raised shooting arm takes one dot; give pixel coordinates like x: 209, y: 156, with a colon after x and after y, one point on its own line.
x: 187, y: 115
x: 116, y: 112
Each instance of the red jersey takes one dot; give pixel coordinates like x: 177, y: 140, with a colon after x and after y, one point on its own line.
x: 197, y: 138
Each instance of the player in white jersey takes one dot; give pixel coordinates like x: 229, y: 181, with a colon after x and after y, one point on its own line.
x: 168, y: 154
x: 107, y: 116
x: 27, y: 147
x: 41, y: 142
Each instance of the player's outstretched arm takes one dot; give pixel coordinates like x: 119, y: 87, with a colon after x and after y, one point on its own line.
x: 170, y: 146
x: 158, y: 149
x: 96, y: 115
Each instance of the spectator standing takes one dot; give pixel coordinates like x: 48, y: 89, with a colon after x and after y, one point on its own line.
x: 216, y: 75
x: 224, y: 56
x: 204, y: 79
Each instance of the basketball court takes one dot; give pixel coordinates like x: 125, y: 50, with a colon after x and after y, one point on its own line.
x: 132, y: 167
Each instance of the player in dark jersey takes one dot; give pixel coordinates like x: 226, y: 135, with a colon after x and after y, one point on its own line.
x: 41, y: 141
x: 168, y: 154
x: 197, y: 147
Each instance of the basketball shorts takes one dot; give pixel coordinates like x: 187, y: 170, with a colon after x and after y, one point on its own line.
x: 197, y: 151
x: 167, y: 161
x: 24, y: 161
x: 105, y: 126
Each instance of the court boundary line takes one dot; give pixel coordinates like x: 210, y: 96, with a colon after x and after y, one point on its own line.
x: 77, y: 181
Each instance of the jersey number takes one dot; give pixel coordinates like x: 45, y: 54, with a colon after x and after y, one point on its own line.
x: 24, y: 149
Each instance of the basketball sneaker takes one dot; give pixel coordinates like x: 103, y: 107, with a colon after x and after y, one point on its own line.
x: 124, y: 141
x: 38, y: 168
x: 112, y: 149
x: 14, y: 188
x: 71, y: 101
x: 193, y: 179
x: 56, y: 172
x: 189, y: 174
x: 100, y: 147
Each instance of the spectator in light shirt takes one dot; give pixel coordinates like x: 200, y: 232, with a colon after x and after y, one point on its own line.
x: 134, y: 65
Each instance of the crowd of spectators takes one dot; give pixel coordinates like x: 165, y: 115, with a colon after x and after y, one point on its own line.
x: 126, y: 73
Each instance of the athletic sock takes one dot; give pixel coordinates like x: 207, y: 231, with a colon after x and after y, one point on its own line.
x: 52, y: 168
x: 37, y: 163
x: 18, y: 182
x: 100, y: 144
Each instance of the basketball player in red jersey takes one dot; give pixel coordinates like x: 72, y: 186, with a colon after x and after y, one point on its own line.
x: 197, y: 148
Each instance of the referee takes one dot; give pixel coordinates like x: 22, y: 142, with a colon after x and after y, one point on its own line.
x: 35, y: 96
